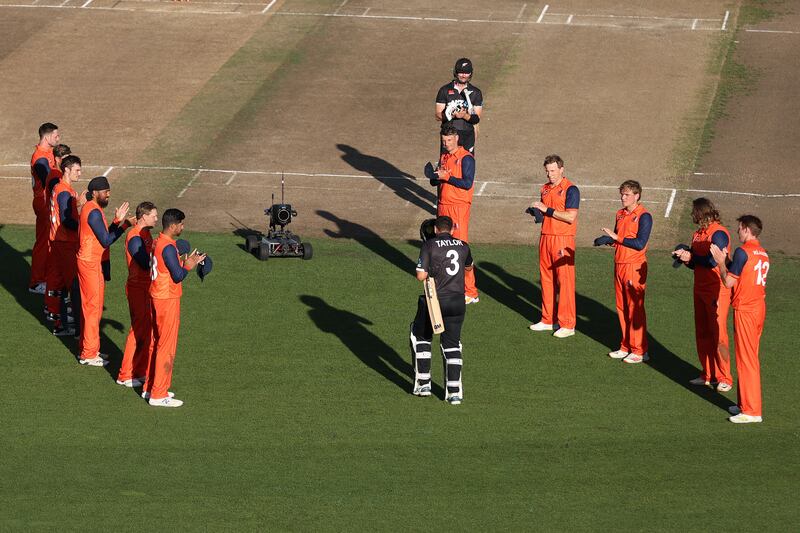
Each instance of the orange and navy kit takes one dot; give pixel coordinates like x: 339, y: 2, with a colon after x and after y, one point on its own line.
x: 455, y: 200
x: 62, y: 266
x: 138, y: 346
x: 711, y: 304
x: 557, y: 254
x: 43, y: 164
x: 166, y: 274
x: 630, y: 276
x: 750, y: 265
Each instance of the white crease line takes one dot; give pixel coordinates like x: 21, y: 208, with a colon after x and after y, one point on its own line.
x: 381, y: 187
x: 230, y: 180
x: 694, y: 24
x: 569, y: 19
x: 636, y: 17
x: 340, y: 7
x: 541, y: 15
x: 366, y: 11
x: 483, y: 186
x: 521, y: 11
x: 272, y: 3
x: 15, y: 178
x: 62, y: 4
x: 180, y: 194
x: 108, y: 171
x: 86, y: 3
x: 725, y: 20
x: 669, y: 204
x: 774, y: 31
x: 750, y: 194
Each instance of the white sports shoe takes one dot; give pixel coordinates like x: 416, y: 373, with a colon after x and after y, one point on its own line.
x: 470, y: 300
x: 130, y: 383
x: 699, y: 381
x: 724, y: 387
x: 146, y: 395
x: 422, y: 390
x: 541, y: 326
x: 618, y: 354
x: 563, y: 333
x: 165, y: 402
x: 39, y: 288
x: 633, y: 358
x: 94, y: 361
x: 454, y: 400
x: 742, y: 418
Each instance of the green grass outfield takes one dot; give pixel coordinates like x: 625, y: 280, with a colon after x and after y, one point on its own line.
x: 298, y: 415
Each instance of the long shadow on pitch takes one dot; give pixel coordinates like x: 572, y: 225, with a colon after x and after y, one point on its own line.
x: 369, y: 239
x: 14, y: 278
x: 594, y: 320
x: 404, y: 185
x: 351, y: 330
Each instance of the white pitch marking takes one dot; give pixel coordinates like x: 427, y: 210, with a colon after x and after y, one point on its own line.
x: 381, y: 187
x: 366, y: 11
x: 773, y: 31
x: 65, y: 2
x: 272, y: 3
x: 541, y: 15
x: 15, y: 178
x: 108, y: 171
x: 569, y: 19
x: 725, y: 20
x: 340, y: 7
x: 180, y: 194
x: 86, y: 3
x: 669, y: 204
x: 483, y: 186
x: 694, y: 24
x: 230, y: 180
x: 521, y: 11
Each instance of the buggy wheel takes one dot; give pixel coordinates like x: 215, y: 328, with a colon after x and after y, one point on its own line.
x: 250, y: 243
x: 262, y: 251
x: 308, y: 251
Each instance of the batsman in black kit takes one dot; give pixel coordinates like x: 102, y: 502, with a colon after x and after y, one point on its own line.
x: 444, y: 258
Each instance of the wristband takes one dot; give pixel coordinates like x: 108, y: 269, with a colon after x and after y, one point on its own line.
x: 473, y: 119
x: 550, y: 211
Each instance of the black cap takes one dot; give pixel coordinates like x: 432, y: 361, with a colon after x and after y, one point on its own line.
x: 463, y: 66
x: 427, y: 230
x: 204, y: 267
x: 100, y: 183
x: 677, y: 262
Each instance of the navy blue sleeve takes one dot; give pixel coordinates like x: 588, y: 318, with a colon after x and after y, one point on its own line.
x: 573, y: 198
x: 139, y: 252
x: 737, y: 263
x: 170, y: 257
x: 42, y: 169
x: 643, y: 235
x: 721, y: 240
x: 68, y: 218
x: 52, y: 185
x: 467, y: 174
x: 106, y: 237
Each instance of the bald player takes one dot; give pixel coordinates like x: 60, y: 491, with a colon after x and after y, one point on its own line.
x: 42, y: 165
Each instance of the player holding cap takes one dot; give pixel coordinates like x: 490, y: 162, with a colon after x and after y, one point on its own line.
x: 747, y: 275
x: 166, y: 273
x: 460, y: 104
x: 559, y: 203
x: 95, y: 237
x: 42, y: 165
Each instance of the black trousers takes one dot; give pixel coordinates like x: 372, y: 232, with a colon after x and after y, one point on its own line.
x: 453, y: 310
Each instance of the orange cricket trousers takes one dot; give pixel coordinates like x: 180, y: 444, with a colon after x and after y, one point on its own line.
x: 711, y: 335
x: 92, y: 289
x: 41, y: 246
x: 748, y: 325
x: 630, y: 280
x: 140, y: 337
x: 557, y: 275
x: 61, y: 271
x: 166, y: 322
x: 460, y: 215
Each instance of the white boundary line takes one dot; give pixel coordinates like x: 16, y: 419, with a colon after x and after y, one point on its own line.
x: 541, y: 15
x: 272, y: 3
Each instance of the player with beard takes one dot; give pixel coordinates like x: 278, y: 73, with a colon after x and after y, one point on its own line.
x: 461, y: 104
x: 95, y: 236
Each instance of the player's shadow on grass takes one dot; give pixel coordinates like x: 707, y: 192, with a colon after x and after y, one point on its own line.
x: 404, y: 185
x: 14, y: 277
x: 594, y: 320
x: 351, y: 330
x: 369, y: 239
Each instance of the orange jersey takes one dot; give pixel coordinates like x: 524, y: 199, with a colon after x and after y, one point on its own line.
x: 138, y: 276
x: 707, y: 278
x: 555, y: 197
x: 40, y: 153
x: 627, y: 227
x: 750, y: 266
x: 58, y: 232
x: 450, y: 194
x: 90, y: 248
x: 162, y: 287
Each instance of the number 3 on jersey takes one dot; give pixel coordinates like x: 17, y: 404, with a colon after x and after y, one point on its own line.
x: 453, y: 256
x: 761, y: 269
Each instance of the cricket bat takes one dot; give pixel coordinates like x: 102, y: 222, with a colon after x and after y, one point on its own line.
x: 471, y: 110
x: 434, y: 311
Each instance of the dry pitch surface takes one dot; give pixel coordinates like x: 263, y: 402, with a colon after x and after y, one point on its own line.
x: 222, y: 97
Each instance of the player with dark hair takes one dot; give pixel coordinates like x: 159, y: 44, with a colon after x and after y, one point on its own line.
x: 167, y: 272
x: 445, y: 258
x: 51, y: 299
x: 42, y: 165
x: 629, y: 238
x: 138, y: 247
x: 460, y: 104
x: 62, y: 266
x: 747, y: 276
x: 712, y: 299
x: 95, y: 237
x: 455, y: 179
x: 558, y: 206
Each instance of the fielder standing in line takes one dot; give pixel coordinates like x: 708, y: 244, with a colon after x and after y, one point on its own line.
x: 139, y: 344
x: 167, y: 274
x: 95, y: 237
x: 42, y: 166
x: 51, y: 294
x: 629, y: 238
x: 747, y: 275
x: 460, y: 104
x: 712, y: 299
x: 558, y: 207
x: 445, y: 258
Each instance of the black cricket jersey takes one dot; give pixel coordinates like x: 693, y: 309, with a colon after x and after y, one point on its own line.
x: 444, y: 258
x: 454, y: 100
